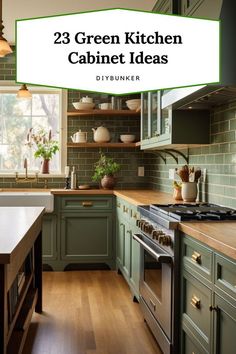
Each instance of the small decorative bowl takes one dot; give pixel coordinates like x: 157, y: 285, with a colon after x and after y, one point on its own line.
x: 134, y: 104
x: 83, y: 105
x: 127, y: 138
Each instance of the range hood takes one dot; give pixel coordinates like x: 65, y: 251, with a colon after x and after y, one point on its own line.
x: 208, y: 96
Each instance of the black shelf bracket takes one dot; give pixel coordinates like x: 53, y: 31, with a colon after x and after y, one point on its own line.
x: 185, y: 157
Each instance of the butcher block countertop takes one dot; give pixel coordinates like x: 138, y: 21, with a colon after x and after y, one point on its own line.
x: 19, y: 225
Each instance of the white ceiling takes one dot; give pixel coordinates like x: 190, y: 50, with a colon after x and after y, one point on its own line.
x: 15, y: 9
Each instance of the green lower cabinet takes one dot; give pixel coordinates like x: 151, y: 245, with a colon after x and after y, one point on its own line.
x: 208, y: 301
x: 196, y: 314
x: 87, y: 237
x: 49, y: 236
x: 135, y: 266
x: 120, y: 236
x: 225, y: 327
x: 127, y: 249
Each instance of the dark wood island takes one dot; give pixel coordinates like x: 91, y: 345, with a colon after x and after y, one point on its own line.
x: 20, y: 273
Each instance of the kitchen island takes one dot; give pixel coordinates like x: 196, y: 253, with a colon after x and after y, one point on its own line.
x: 20, y: 273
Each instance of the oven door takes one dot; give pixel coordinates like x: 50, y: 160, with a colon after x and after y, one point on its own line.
x: 156, y: 281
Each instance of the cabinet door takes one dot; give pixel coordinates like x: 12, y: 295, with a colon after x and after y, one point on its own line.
x: 127, y: 251
x: 120, y: 235
x: 86, y: 236
x: 135, y: 265
x: 49, y: 232
x: 225, y: 327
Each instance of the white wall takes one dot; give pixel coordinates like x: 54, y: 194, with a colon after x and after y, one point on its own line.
x: 17, y: 9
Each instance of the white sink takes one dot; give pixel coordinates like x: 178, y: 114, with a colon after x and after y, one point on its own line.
x: 28, y: 198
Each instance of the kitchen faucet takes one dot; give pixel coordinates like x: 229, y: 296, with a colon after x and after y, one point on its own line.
x: 26, y: 178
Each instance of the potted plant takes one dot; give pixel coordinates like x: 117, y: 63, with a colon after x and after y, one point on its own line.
x: 45, y: 147
x: 105, y: 168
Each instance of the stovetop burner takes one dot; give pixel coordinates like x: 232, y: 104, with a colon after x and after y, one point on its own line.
x: 197, y: 211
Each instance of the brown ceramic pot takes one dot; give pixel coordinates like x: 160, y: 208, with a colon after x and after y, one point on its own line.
x: 108, y: 182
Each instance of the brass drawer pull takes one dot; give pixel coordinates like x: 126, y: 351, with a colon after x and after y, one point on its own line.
x: 195, y: 302
x: 196, y: 257
x: 118, y: 205
x: 87, y: 204
x: 135, y: 216
x: 125, y: 210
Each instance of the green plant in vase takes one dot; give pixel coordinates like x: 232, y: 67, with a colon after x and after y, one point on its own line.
x: 105, y: 168
x: 45, y: 147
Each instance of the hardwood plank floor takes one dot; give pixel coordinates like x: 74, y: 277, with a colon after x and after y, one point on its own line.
x: 88, y: 312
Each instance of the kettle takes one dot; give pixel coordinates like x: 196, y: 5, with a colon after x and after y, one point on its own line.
x: 79, y: 137
x: 101, y: 135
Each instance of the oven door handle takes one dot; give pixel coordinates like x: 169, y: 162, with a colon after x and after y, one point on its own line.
x: 160, y: 257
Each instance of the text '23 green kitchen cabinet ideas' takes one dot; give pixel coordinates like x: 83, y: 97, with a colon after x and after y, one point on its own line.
x: 208, y: 300
x: 79, y: 231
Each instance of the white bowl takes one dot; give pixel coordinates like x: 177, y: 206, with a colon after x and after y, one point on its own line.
x: 83, y: 105
x: 134, y: 104
x: 127, y: 138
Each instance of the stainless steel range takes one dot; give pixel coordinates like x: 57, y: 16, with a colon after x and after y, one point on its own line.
x: 160, y: 252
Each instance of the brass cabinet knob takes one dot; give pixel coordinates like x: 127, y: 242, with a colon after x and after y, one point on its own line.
x: 196, y: 257
x: 195, y: 302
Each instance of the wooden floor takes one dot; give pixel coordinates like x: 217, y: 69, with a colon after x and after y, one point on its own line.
x: 88, y: 312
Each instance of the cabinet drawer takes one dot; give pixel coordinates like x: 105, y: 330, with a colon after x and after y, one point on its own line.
x: 191, y: 346
x: 198, y: 258
x: 225, y: 275
x: 196, y: 312
x: 86, y: 203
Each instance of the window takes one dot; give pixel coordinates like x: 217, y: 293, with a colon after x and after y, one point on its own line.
x: 17, y: 116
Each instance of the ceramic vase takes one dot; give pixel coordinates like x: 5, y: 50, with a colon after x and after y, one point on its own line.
x: 189, y: 191
x: 45, y: 166
x: 108, y: 182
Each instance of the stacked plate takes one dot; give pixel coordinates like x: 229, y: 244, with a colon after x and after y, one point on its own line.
x: 83, y: 105
x: 134, y: 104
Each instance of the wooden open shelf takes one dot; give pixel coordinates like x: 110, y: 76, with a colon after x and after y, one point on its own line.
x: 109, y: 145
x: 99, y: 112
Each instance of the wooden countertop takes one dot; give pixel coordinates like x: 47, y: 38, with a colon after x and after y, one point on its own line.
x: 17, y: 224
x: 144, y: 197
x: 219, y: 235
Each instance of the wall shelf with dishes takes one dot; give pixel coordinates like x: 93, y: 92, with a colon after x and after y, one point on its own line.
x: 99, y: 112
x: 100, y: 145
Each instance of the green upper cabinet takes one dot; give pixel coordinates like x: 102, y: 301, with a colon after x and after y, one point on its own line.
x: 166, y: 6
x: 164, y: 127
x: 201, y: 8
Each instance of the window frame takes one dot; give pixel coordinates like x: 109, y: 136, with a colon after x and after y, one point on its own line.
x: 11, y: 86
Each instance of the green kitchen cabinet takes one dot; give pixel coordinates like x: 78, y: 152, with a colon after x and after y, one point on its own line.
x: 167, y: 128
x: 128, y: 250
x: 87, y: 237
x: 225, y: 327
x: 208, y: 300
x: 49, y: 238
x: 86, y: 230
